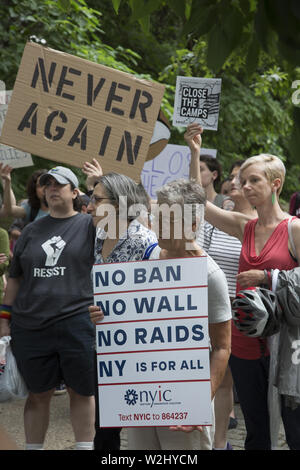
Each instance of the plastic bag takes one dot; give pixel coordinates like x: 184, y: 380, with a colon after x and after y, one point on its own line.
x: 12, y: 385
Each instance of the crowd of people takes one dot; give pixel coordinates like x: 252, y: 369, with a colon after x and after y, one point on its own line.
x: 59, y: 232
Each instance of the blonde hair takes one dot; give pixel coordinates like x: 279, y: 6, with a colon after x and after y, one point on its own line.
x: 273, y: 167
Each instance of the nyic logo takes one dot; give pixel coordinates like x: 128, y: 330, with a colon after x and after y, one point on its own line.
x: 148, y: 397
x: 131, y: 397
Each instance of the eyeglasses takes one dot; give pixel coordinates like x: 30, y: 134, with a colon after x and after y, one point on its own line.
x: 97, y: 199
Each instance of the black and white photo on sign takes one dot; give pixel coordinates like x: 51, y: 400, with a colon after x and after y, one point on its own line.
x: 197, y: 100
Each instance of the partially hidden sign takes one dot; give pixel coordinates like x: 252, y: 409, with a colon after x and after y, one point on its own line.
x: 153, y: 344
x: 70, y: 110
x: 9, y: 155
x: 171, y: 164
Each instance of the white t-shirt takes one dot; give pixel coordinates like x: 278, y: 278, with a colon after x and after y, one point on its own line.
x: 219, y: 309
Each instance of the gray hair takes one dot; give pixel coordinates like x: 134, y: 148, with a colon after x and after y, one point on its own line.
x: 186, y: 194
x: 122, y: 192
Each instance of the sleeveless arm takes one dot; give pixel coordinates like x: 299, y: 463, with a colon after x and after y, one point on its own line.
x: 229, y: 222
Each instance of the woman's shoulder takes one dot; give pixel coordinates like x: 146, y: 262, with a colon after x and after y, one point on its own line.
x: 138, y: 231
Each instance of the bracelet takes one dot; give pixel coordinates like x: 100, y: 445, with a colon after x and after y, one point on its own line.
x: 5, y: 311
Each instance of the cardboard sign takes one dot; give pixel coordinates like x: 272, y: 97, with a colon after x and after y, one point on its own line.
x: 197, y: 100
x: 171, y: 164
x: 160, y: 136
x: 153, y: 344
x: 8, y: 155
x: 71, y: 110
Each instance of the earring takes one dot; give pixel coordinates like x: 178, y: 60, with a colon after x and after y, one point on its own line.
x: 273, y: 198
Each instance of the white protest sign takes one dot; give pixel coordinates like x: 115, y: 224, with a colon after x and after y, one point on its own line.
x: 153, y: 344
x: 197, y: 100
x: 171, y: 164
x: 9, y: 155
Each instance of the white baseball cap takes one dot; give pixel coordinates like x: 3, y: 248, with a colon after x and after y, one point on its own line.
x: 62, y: 175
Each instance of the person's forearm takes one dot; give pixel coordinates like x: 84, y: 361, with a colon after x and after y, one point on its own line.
x: 3, y: 267
x: 218, y: 364
x: 13, y: 284
x: 9, y: 200
x: 195, y: 166
x: 4, y: 255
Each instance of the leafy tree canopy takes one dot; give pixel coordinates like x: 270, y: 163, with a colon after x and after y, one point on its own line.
x: 253, y: 45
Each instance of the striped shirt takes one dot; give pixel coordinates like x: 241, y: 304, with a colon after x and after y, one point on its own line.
x: 225, y: 251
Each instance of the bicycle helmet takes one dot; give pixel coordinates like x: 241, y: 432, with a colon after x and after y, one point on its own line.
x: 256, y: 312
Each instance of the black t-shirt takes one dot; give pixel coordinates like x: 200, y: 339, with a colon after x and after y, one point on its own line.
x: 54, y: 258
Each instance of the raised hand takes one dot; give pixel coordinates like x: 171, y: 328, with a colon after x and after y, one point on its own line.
x: 5, y: 172
x: 193, y: 137
x: 93, y: 171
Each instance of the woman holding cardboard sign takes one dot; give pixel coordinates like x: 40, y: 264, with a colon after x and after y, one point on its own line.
x: 265, y: 246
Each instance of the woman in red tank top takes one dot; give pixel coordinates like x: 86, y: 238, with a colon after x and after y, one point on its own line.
x: 265, y: 246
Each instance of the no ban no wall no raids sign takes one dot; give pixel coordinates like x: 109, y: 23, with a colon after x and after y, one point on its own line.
x: 153, y: 345
x: 197, y: 100
x: 70, y: 110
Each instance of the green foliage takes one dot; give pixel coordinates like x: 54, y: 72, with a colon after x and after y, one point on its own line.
x: 68, y: 25
x: 225, y: 23
x: 253, y: 45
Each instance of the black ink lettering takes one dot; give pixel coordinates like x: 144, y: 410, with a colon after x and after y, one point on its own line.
x: 40, y: 67
x: 80, y: 135
x: 93, y: 93
x: 142, y: 106
x: 63, y: 81
x: 113, y: 97
x: 132, y: 153
x: 59, y: 130
x: 31, y: 113
x: 105, y: 140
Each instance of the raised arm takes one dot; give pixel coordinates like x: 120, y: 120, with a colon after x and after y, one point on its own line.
x: 4, y: 248
x: 229, y: 222
x: 9, y: 207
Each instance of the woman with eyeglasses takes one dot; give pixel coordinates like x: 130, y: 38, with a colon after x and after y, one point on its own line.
x: 119, y: 208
